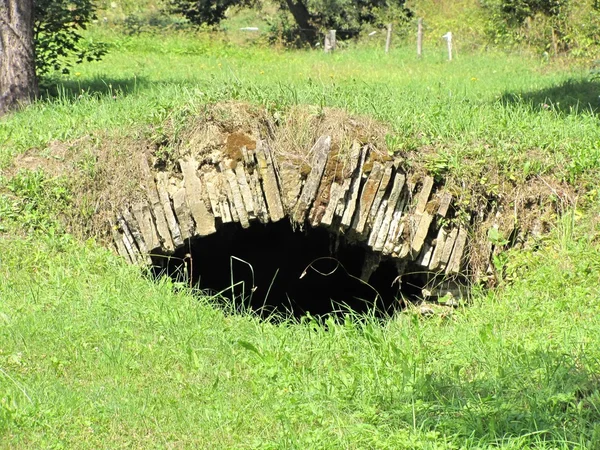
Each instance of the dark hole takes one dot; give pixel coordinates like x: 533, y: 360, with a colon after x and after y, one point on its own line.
x: 276, y: 269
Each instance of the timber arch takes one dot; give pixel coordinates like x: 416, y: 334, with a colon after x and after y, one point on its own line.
x: 398, y: 221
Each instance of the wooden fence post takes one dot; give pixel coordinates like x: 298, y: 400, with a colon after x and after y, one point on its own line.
x: 420, y: 37
x: 329, y: 41
x: 448, y: 38
x: 388, y: 40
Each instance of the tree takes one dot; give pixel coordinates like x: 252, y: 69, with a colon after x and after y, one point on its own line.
x: 18, y: 82
x: 56, y: 26
x: 208, y: 12
x: 310, y: 16
x: 37, y: 37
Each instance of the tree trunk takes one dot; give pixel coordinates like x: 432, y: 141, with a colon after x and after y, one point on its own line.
x: 18, y: 84
x: 302, y: 18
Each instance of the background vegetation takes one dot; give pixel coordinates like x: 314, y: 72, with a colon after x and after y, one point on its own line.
x: 95, y: 354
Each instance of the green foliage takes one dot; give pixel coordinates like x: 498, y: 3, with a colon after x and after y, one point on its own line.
x: 57, y: 38
x: 515, y: 12
x: 347, y: 17
x: 205, y: 12
x: 35, y: 201
x: 550, y: 25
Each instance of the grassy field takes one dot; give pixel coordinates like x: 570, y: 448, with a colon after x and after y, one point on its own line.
x: 93, y: 354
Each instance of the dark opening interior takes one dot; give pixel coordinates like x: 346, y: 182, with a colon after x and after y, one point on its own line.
x: 274, y: 268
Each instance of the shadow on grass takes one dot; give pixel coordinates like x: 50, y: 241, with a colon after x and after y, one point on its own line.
x: 72, y: 89
x: 570, y: 97
x: 538, y: 396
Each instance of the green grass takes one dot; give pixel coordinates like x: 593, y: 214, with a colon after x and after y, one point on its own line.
x: 93, y: 354
x: 512, y: 112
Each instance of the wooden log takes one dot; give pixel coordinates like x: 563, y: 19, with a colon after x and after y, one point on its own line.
x: 444, y: 204
x: 128, y: 241
x: 448, y: 246
x: 321, y: 152
x: 236, y: 198
x: 158, y: 212
x: 423, y: 196
x: 439, y: 248
x: 132, y: 231
x: 182, y: 212
x: 455, y: 262
x: 143, y: 216
x: 118, y: 240
x: 338, y: 189
x: 205, y: 221
x: 269, y: 182
x: 209, y: 177
x: 380, y: 239
x: 165, y: 201
x: 367, y: 197
x: 423, y: 229
x: 383, y: 187
x: 425, y: 256
x: 245, y: 190
x: 350, y: 205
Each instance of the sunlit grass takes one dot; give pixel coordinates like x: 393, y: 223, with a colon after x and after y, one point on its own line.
x: 511, y: 111
x: 93, y: 354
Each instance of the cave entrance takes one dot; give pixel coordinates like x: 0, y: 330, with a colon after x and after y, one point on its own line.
x: 275, y: 268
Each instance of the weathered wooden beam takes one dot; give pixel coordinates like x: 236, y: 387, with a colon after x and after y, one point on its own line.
x: 205, y: 221
x: 118, y: 241
x: 395, y: 238
x: 338, y: 189
x: 444, y: 204
x: 455, y: 261
x: 421, y: 234
x: 320, y: 152
x: 182, y: 212
x: 380, y: 238
x: 165, y: 201
x: 269, y: 181
x: 128, y: 241
x: 158, y: 213
x: 143, y: 216
x: 448, y: 246
x: 236, y: 197
x: 242, y: 181
x: 383, y: 187
x: 436, y: 257
x: 350, y: 205
x: 425, y: 256
x: 133, y: 234
x: 367, y: 197
x: 423, y: 196
x: 208, y: 178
